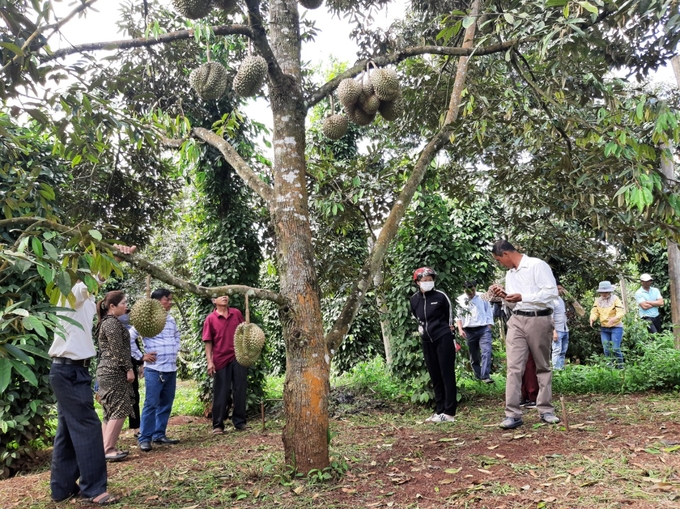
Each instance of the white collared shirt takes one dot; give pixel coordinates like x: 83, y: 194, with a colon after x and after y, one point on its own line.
x: 534, y: 280
x: 78, y: 343
x: 474, y: 312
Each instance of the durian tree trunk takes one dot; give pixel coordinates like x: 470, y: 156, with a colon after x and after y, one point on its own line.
x: 307, y: 385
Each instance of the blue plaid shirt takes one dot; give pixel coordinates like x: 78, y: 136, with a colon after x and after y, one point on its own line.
x: 166, y: 346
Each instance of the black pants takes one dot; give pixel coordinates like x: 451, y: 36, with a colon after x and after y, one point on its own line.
x: 653, y: 324
x: 440, y: 358
x: 78, y: 462
x: 133, y: 418
x: 230, y: 382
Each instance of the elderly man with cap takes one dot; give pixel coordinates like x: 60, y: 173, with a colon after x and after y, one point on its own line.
x: 475, y: 320
x: 649, y: 301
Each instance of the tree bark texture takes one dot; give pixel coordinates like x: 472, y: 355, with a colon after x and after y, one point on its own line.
x: 668, y: 169
x: 306, y: 389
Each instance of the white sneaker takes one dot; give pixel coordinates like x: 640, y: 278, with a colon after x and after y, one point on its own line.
x: 435, y: 417
x: 445, y: 418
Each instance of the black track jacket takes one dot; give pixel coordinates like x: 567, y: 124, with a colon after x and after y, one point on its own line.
x: 434, y: 313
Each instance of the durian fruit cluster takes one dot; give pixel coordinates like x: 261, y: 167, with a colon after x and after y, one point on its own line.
x: 248, y: 343
x: 148, y: 317
x: 210, y: 79
x: 374, y: 91
x: 197, y: 9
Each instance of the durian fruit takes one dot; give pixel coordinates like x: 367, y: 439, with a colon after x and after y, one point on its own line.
x: 391, y: 110
x: 225, y: 5
x: 349, y: 91
x: 193, y: 9
x: 209, y: 80
x: 248, y: 343
x: 360, y: 117
x: 310, y: 4
x: 250, y: 76
x: 370, y: 104
x: 335, y: 126
x: 385, y: 84
x: 148, y: 317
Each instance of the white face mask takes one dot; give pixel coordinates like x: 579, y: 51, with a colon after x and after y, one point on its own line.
x: 426, y: 286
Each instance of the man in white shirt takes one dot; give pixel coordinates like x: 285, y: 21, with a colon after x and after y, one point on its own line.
x: 78, y: 463
x: 531, y: 295
x: 475, y: 320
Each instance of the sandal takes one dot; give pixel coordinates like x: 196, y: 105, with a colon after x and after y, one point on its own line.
x: 116, y: 457
x: 103, y: 499
x: 217, y: 431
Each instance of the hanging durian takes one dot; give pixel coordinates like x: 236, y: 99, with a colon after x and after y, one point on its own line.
x: 148, y: 317
x: 193, y: 9
x: 311, y: 4
x: 349, y: 91
x: 385, y: 84
x: 250, y: 76
x: 209, y: 80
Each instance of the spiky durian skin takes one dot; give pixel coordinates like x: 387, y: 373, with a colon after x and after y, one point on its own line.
x: 193, y: 9
x: 250, y: 76
x: 248, y: 342
x: 209, y: 80
x: 335, y: 126
x: 148, y: 317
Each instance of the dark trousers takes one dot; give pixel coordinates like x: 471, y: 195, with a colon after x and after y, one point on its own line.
x: 479, y: 344
x: 653, y: 324
x: 78, y: 445
x: 133, y: 418
x: 530, y: 381
x: 230, y: 382
x: 440, y: 358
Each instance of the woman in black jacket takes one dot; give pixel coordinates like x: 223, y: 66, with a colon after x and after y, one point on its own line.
x: 434, y: 312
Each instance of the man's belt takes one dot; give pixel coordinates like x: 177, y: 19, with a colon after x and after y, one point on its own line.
x: 65, y: 360
x: 542, y: 312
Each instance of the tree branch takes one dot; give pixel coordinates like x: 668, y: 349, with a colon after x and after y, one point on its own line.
x: 145, y: 42
x: 146, y: 266
x: 244, y: 171
x: 391, y: 226
x: 405, y: 53
x: 55, y: 26
x: 261, y: 42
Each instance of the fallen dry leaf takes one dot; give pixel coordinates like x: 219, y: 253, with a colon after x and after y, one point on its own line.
x: 577, y: 471
x: 526, y: 487
x: 500, y: 456
x: 348, y: 490
x: 453, y: 470
x: 483, y: 471
x: 492, y: 447
x: 446, y: 481
x: 299, y: 490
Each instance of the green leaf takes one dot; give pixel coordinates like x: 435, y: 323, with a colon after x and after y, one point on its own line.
x: 556, y: 3
x: 52, y: 253
x: 35, y: 351
x: 17, y: 353
x: 95, y: 234
x: 5, y: 373
x: 13, y: 48
x: 467, y: 21
x: 25, y: 371
x: 33, y: 323
x: 64, y: 283
x: 509, y: 18
x: 36, y: 246
x: 589, y: 7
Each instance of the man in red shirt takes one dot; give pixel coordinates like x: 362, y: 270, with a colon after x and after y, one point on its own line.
x: 230, y: 378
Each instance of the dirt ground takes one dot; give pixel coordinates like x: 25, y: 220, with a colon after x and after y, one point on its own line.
x: 620, y: 451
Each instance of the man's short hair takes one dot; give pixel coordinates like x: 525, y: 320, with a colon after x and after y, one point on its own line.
x: 502, y: 246
x: 160, y: 293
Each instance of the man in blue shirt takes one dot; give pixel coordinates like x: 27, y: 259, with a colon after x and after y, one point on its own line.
x: 474, y: 320
x: 160, y: 373
x: 649, y: 301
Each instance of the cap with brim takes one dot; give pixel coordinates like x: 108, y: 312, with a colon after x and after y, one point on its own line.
x: 605, y: 287
x: 646, y: 277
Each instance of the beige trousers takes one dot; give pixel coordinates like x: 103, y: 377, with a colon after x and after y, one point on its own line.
x: 528, y: 334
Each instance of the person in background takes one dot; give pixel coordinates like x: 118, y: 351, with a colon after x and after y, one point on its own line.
x: 561, y: 332
x: 230, y: 378
x: 78, y: 463
x: 649, y: 301
x: 114, y: 370
x: 531, y: 295
x: 160, y: 374
x: 608, y: 309
x: 434, y: 313
x: 475, y: 321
